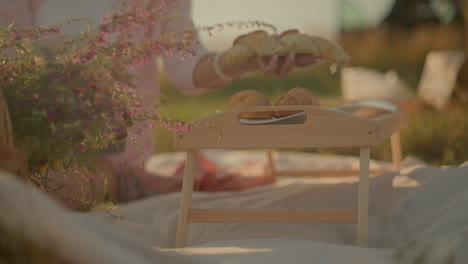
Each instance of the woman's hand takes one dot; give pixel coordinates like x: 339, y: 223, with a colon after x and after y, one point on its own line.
x: 274, y: 65
x: 282, y: 66
x: 214, y: 72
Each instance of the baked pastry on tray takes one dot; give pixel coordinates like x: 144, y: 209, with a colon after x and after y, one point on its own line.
x: 295, y: 96
x: 249, y: 98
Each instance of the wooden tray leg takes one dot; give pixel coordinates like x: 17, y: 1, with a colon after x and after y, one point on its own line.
x: 271, y: 163
x: 396, y: 150
x: 363, y: 199
x: 185, y: 199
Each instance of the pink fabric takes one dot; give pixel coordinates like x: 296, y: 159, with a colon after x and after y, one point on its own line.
x: 18, y: 12
x: 208, y: 177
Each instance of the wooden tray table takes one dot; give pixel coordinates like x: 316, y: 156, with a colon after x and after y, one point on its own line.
x: 360, y: 125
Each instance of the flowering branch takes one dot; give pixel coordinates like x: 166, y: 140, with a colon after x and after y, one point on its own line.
x: 73, y: 98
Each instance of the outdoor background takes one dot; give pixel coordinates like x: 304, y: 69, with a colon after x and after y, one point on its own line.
x: 311, y: 16
x: 381, y: 34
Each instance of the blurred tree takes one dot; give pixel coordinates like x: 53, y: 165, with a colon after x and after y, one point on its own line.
x: 462, y: 79
x: 464, y: 5
x: 409, y: 14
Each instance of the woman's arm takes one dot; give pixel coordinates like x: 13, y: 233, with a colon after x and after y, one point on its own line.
x: 198, y: 73
x: 212, y: 71
x: 207, y: 71
x: 183, y: 73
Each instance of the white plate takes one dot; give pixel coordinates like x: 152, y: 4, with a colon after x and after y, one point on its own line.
x: 298, y: 118
x: 378, y: 104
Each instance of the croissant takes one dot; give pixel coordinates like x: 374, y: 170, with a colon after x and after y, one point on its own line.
x: 250, y: 98
x: 305, y: 44
x: 295, y: 96
x: 256, y: 43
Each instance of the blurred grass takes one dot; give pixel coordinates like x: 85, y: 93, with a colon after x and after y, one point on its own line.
x: 438, y: 137
x: 400, y: 49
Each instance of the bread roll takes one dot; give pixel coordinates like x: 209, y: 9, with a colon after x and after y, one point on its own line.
x: 248, y: 98
x: 314, y: 45
x: 295, y: 96
x: 256, y: 43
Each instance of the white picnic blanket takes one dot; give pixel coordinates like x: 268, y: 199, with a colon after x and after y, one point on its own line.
x: 419, y: 212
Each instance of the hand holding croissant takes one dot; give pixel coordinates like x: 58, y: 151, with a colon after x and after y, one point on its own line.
x: 279, y: 54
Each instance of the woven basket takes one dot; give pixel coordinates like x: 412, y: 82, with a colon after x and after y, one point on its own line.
x: 11, y: 159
